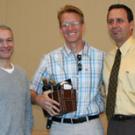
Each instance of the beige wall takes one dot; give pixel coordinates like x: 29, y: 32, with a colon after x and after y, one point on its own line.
x: 36, y: 27
x: 36, y: 30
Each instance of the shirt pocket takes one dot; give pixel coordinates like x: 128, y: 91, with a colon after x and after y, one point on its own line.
x: 130, y: 80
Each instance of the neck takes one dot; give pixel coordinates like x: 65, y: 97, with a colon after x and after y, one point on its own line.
x: 76, y: 47
x: 120, y: 43
x: 5, y: 64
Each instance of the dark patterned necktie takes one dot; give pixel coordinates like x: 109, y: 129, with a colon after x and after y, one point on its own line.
x: 112, y: 88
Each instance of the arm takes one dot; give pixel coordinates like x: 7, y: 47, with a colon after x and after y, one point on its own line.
x: 45, y: 102
x: 28, y: 113
x: 37, y: 95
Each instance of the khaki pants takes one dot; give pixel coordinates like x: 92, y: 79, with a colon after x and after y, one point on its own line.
x: 91, y: 127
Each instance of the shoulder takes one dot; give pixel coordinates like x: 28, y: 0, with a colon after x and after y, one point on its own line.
x: 20, y: 71
x: 55, y: 53
x: 92, y: 51
x: 109, y: 56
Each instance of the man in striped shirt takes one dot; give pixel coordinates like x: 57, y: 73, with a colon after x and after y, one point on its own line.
x: 81, y: 63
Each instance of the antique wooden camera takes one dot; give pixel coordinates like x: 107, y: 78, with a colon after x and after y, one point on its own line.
x: 63, y: 93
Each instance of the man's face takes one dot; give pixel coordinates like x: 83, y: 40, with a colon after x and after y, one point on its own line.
x: 71, y: 28
x: 6, y: 44
x: 119, y: 27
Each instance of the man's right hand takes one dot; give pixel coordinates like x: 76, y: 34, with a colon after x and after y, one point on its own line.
x: 46, y: 103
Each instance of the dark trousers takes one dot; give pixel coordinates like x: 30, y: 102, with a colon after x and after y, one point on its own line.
x: 121, y: 127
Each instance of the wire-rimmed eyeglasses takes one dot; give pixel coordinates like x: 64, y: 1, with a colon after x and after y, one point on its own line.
x: 79, y: 64
x: 72, y: 24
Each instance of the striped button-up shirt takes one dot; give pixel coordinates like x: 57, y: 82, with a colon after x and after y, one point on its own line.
x: 61, y: 64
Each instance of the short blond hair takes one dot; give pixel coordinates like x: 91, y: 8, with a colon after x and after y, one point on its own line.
x: 70, y: 9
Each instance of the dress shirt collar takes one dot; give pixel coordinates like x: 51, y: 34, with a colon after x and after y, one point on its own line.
x: 84, y: 51
x: 127, y: 46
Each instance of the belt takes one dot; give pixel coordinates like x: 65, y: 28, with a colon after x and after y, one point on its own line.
x: 120, y: 117
x: 74, y: 121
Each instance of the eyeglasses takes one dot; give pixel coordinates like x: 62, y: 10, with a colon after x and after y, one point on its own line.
x: 79, y: 64
x: 73, y: 24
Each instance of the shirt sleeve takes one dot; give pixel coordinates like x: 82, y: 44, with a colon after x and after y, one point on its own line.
x: 43, y: 71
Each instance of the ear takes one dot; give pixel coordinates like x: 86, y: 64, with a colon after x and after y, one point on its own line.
x: 60, y: 30
x: 83, y: 28
x: 132, y: 25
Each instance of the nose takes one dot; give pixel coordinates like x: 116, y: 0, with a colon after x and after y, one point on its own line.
x: 115, y: 24
x: 70, y: 27
x: 4, y: 43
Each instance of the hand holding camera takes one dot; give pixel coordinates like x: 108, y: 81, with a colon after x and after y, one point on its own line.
x: 63, y: 93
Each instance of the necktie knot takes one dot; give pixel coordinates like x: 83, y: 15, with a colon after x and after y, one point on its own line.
x: 118, y: 53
